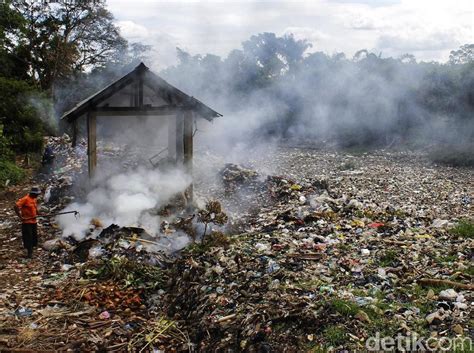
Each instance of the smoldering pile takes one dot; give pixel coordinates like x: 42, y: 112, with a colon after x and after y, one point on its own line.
x: 130, y: 242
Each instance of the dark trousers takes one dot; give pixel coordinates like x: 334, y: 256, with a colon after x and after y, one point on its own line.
x: 29, y: 234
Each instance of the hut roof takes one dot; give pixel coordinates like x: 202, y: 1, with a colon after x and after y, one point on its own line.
x: 156, y: 87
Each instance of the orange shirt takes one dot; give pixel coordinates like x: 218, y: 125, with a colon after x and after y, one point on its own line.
x: 28, y: 208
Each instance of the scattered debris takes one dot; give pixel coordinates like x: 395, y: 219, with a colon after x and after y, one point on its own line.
x: 308, y: 258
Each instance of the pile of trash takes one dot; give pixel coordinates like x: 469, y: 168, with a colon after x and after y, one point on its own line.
x: 234, y: 175
x: 323, y: 257
x: 102, y: 292
x: 133, y: 243
x: 61, y: 173
x: 319, y: 268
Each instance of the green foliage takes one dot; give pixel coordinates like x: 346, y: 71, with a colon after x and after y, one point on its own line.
x: 344, y: 307
x: 10, y: 171
x: 12, y: 24
x: 446, y: 258
x: 388, y: 258
x: 464, y: 228
x: 335, y: 335
x: 60, y: 40
x: 464, y: 55
x: 127, y: 272
x: 6, y: 152
x: 462, y: 345
x: 22, y: 125
x: 469, y: 271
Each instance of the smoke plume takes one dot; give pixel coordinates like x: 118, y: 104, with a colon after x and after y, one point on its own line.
x: 127, y: 199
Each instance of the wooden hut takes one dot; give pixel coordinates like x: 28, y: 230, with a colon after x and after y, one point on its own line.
x: 143, y: 93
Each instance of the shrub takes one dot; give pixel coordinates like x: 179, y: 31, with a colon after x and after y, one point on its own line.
x: 21, y: 121
x: 10, y: 171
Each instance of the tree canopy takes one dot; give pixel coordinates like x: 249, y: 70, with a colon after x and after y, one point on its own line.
x: 60, y: 40
x: 43, y: 46
x: 366, y: 100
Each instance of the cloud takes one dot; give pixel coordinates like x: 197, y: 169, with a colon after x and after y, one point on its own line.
x: 133, y: 31
x: 409, y: 43
x: 217, y: 27
x: 362, y: 23
x: 310, y: 34
x: 375, y: 3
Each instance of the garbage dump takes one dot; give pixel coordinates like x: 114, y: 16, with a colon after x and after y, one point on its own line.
x: 318, y: 268
x: 328, y: 256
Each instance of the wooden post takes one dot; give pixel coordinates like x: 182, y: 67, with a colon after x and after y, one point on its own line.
x: 188, y: 150
x: 74, y: 132
x: 140, y: 92
x: 172, y: 138
x: 92, y: 143
x: 179, y: 138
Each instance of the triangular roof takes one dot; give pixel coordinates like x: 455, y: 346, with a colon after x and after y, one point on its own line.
x: 172, y: 95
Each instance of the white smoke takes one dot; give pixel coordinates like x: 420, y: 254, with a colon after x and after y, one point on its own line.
x: 127, y: 199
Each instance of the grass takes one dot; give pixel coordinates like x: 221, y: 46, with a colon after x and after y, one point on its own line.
x: 388, y: 258
x: 10, y: 171
x: 426, y: 307
x: 381, y: 303
x: 420, y: 300
x: 126, y: 272
x: 344, y: 247
x: 344, y: 307
x: 446, y: 259
x: 469, y: 271
x: 463, y: 229
x: 334, y: 335
x: 308, y: 285
x: 462, y: 345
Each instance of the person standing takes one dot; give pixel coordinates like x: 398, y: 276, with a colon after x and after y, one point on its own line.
x: 27, y: 209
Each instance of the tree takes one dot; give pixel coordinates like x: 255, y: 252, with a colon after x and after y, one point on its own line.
x: 274, y: 56
x: 62, y: 39
x: 464, y: 55
x: 12, y: 26
x: 407, y: 59
x: 20, y: 120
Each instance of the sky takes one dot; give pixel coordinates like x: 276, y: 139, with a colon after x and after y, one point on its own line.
x: 428, y: 29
